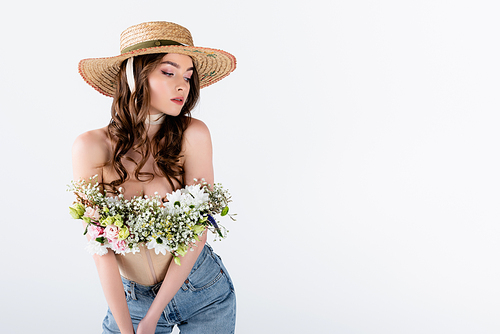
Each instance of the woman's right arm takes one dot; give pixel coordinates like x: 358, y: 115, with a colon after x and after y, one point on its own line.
x: 90, y: 152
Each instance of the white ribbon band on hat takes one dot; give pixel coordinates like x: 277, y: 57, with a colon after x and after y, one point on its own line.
x: 130, y: 74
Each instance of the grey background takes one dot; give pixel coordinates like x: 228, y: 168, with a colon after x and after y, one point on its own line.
x: 359, y: 140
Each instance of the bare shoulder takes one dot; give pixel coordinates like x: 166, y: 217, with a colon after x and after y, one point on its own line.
x: 197, y: 153
x: 197, y: 133
x: 197, y: 128
x: 93, y: 145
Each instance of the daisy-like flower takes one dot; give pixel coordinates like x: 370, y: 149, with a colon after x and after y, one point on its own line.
x: 94, y: 247
x: 199, y: 196
x: 159, y: 248
x: 176, y: 196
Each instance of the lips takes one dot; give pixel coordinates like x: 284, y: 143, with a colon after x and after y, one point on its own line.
x: 178, y: 100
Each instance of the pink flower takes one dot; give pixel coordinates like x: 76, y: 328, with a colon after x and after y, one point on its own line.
x: 94, y: 231
x: 119, y: 245
x: 111, y: 232
x: 92, y: 213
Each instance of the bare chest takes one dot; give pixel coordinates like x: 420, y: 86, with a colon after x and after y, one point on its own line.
x: 133, y: 187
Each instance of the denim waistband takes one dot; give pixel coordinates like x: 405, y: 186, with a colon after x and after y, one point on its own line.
x: 134, y: 287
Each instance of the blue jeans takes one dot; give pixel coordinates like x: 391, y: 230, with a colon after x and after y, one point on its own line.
x: 206, y: 302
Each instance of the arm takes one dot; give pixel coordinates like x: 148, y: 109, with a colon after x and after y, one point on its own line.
x: 197, y: 151
x: 90, y: 152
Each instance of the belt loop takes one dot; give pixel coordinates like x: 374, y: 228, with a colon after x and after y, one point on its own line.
x: 156, y: 288
x: 132, y: 290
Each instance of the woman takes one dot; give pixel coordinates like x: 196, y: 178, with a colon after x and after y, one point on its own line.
x: 153, y: 145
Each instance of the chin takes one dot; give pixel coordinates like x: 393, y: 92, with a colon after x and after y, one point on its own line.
x: 175, y: 114
x: 172, y: 113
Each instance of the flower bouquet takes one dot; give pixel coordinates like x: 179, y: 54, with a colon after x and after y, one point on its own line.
x: 122, y: 225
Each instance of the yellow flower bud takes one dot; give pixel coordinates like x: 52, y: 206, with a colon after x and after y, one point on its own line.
x: 107, y: 221
x: 77, y: 210
x: 182, y: 250
x: 197, y: 229
x: 118, y: 220
x: 124, y: 233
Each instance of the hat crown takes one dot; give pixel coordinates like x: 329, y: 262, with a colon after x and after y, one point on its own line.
x: 151, y: 31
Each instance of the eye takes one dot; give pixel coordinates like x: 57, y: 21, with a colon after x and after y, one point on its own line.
x: 168, y: 74
x: 187, y: 79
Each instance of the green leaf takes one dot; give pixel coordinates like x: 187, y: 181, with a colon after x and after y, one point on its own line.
x: 86, y: 219
x: 224, y: 211
x: 100, y: 239
x: 86, y: 229
x: 159, y: 241
x: 177, y: 203
x: 177, y: 261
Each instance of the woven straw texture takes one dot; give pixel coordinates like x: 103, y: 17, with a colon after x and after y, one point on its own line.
x: 151, y: 31
x: 212, y: 64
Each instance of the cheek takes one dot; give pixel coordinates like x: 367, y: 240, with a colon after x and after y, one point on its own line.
x: 153, y: 84
x: 154, y: 88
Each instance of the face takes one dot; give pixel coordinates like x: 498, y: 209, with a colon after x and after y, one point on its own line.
x: 169, y: 84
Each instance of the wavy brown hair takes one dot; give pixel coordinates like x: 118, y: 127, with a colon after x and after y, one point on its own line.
x: 127, y: 129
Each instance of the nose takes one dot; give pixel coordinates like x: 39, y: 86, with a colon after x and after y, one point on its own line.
x: 182, y: 85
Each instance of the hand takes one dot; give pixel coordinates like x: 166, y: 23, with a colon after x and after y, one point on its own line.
x: 146, y: 326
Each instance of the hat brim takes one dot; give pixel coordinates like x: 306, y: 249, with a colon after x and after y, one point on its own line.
x: 211, y: 64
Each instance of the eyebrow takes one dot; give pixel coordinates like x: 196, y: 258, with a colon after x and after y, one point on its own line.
x: 176, y: 65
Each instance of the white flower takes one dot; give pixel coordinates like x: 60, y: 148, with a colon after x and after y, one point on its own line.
x: 198, y: 194
x: 175, y: 196
x: 121, y: 252
x: 134, y: 249
x: 159, y: 248
x: 94, y: 247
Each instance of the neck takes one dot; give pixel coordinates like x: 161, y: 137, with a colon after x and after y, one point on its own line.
x: 155, y: 119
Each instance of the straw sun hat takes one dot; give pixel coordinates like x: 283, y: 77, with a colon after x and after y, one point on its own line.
x: 156, y: 37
